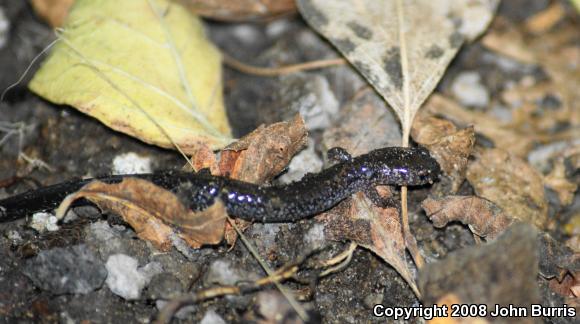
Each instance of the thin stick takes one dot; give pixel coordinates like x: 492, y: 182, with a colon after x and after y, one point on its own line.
x: 293, y: 302
x: 410, y: 242
x: 281, y: 70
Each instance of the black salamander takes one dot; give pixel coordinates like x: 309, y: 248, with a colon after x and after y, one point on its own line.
x: 309, y: 196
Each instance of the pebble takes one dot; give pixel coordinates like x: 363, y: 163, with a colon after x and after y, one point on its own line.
x: 469, y: 91
x: 222, y: 272
x: 71, y: 270
x: 4, y: 28
x: 164, y: 286
x: 126, y: 279
x: 315, y: 236
x: 211, y: 317
x: 131, y: 163
x: 43, y: 222
x: 307, y: 161
x: 309, y: 95
x: 14, y: 237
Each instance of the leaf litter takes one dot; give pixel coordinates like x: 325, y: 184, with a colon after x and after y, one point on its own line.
x: 144, y: 73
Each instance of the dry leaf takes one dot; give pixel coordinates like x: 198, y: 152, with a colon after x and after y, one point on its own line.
x: 483, y: 217
x: 237, y: 10
x: 558, y: 182
x: 546, y: 19
x: 377, y: 229
x: 401, y: 47
x: 257, y: 157
x: 265, y: 152
x: 53, y: 11
x: 128, y: 70
x: 511, y: 183
x: 451, y: 148
x: 502, y: 134
x: 558, y: 56
x: 449, y: 300
x: 153, y: 212
x: 503, y: 272
x: 556, y: 259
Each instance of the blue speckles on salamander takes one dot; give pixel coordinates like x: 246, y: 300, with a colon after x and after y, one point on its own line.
x: 309, y: 196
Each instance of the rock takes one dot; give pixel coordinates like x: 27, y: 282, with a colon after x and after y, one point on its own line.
x: 222, y: 272
x: 307, y: 94
x: 125, y: 279
x: 304, y: 162
x: 211, y: 317
x: 315, y: 238
x: 131, y: 163
x: 4, y: 28
x: 469, y: 91
x: 164, y: 286
x: 109, y: 240
x: 14, y: 237
x: 43, y: 222
x: 74, y: 270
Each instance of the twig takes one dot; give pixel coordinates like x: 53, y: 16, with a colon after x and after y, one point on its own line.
x: 297, y: 307
x: 281, y: 70
x: 288, y: 271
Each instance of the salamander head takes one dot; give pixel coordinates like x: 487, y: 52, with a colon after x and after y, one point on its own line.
x: 404, y: 166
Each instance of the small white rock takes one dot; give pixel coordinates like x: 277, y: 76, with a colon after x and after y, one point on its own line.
x: 305, y: 161
x: 4, y: 28
x: 44, y: 222
x: 15, y: 237
x: 125, y: 279
x: 221, y: 272
x: 315, y: 236
x: 469, y: 91
x: 131, y: 163
x: 211, y: 317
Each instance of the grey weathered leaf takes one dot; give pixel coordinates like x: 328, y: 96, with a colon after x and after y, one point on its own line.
x: 401, y: 47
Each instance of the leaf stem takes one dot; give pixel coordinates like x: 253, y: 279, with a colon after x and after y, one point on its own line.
x: 406, y: 123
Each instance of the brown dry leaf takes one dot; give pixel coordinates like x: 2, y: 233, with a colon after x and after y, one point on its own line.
x: 502, y: 272
x: 53, y: 11
x: 238, y: 10
x: 153, y: 212
x: 504, y: 135
x: 265, y: 152
x: 546, y: 19
x: 377, y: 229
x: 556, y: 259
x: 449, y: 300
x: 401, y: 47
x: 511, y: 183
x: 257, y: 157
x: 450, y: 147
x: 508, y: 42
x: 567, y: 287
x: 483, y: 217
x: 557, y: 54
x: 558, y: 182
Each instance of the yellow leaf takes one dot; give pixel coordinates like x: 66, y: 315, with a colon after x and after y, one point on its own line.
x: 139, y: 66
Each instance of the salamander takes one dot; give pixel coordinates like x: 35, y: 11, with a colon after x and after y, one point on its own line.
x: 311, y: 195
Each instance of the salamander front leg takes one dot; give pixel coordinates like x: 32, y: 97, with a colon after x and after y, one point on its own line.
x: 384, y: 202
x: 338, y: 154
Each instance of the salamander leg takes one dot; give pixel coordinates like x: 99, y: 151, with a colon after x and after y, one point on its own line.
x: 338, y: 154
x: 380, y: 201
